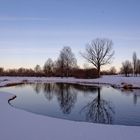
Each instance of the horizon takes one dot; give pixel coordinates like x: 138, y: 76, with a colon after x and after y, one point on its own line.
x: 33, y: 31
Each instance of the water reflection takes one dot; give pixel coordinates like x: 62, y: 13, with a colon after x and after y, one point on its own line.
x: 48, y: 91
x: 37, y: 87
x: 99, y: 110
x: 79, y: 102
x: 136, y: 96
x: 66, y: 96
x: 134, y: 92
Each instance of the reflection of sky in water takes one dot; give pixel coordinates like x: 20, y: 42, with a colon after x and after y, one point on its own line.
x: 79, y: 102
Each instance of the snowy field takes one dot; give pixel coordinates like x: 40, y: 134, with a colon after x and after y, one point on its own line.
x: 17, y: 124
x: 114, y: 80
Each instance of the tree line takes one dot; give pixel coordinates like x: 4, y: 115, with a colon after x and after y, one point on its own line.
x: 64, y: 66
x: 98, y: 52
x: 131, y: 68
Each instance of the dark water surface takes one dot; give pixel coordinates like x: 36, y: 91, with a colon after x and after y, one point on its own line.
x: 78, y: 102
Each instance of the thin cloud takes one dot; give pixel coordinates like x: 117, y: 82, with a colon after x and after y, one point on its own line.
x: 22, y: 19
x: 28, y: 50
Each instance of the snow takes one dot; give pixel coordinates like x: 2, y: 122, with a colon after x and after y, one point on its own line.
x: 21, y: 125
x: 113, y: 80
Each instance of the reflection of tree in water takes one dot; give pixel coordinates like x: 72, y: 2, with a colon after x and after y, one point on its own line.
x: 99, y: 110
x: 37, y: 87
x: 132, y: 92
x: 136, y: 96
x: 66, y: 97
x: 22, y: 85
x: 85, y: 88
x: 88, y: 89
x: 48, y: 89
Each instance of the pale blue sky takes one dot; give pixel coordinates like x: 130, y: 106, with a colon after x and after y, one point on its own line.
x: 33, y: 30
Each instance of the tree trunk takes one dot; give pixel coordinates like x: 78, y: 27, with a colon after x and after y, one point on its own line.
x: 98, y: 69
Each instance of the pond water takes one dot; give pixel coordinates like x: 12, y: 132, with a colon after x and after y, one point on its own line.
x: 78, y: 102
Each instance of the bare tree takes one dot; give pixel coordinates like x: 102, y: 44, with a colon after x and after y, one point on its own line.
x: 138, y: 66
x: 66, y: 61
x: 60, y: 64
x: 134, y: 64
x: 112, y: 70
x: 1, y: 71
x: 37, y: 69
x: 48, y: 67
x: 99, y: 52
x: 126, y: 68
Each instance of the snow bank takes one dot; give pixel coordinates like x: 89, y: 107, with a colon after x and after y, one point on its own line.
x: 115, y: 80
x: 20, y: 125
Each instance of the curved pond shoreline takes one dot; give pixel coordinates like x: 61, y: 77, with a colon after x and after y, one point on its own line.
x: 115, y: 81
x: 78, y: 102
x: 19, y: 124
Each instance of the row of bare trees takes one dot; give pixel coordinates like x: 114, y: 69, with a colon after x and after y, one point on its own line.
x: 98, y: 53
x: 64, y: 66
x: 131, y: 68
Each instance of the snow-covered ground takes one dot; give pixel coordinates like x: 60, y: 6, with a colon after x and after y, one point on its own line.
x: 114, y: 80
x: 21, y: 125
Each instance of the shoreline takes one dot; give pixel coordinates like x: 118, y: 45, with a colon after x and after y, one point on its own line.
x: 114, y: 81
x: 53, y: 128
x: 17, y: 123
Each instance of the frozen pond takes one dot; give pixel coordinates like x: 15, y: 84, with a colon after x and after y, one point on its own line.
x: 78, y: 102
